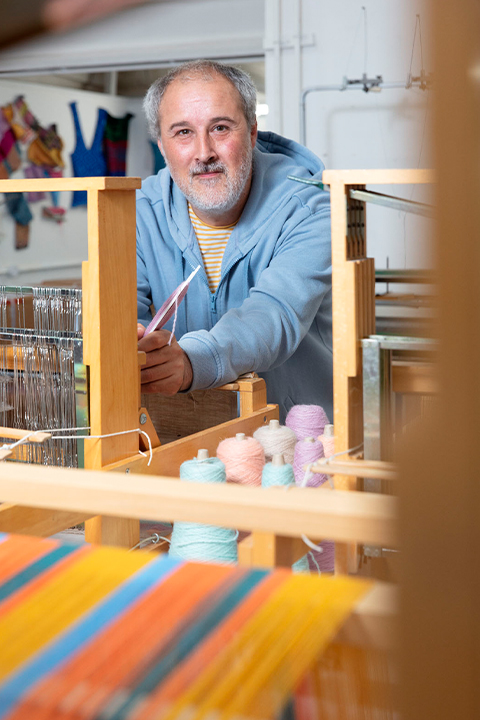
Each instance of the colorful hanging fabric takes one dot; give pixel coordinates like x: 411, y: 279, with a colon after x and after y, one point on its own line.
x: 87, y: 162
x: 115, y: 142
x: 8, y: 150
x: 44, y: 145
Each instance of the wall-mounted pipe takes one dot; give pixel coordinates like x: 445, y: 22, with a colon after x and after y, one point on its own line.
x: 366, y: 84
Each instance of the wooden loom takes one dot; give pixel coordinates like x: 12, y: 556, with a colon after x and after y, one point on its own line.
x: 438, y: 480
x: 110, y: 351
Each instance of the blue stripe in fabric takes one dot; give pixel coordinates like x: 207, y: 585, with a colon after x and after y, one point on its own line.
x: 100, y: 617
x: 35, y: 569
x: 199, y: 626
x: 3, y: 537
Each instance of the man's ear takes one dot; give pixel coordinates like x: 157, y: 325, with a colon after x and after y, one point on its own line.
x: 159, y: 143
x: 254, y: 133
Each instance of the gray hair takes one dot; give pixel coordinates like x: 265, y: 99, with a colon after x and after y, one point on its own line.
x: 204, y: 69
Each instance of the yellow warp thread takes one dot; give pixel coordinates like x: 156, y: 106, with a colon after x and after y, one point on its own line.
x: 257, y: 672
x: 71, y: 593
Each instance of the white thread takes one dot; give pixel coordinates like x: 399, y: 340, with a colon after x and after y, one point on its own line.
x: 83, y: 437
x: 315, y: 562
x: 174, y: 321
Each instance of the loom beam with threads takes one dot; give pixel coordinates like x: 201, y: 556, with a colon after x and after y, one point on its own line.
x: 353, y: 287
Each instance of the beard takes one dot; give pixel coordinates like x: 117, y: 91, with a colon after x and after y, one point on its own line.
x: 219, y: 194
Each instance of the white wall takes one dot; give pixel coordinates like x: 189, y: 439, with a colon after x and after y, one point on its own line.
x: 353, y: 129
x: 56, y: 251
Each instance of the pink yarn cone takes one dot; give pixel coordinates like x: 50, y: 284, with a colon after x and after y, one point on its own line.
x: 307, y: 451
x: 243, y: 458
x: 306, y: 420
x: 328, y: 441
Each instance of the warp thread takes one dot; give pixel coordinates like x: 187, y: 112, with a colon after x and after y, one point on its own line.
x: 306, y: 420
x: 276, y: 439
x: 243, y: 458
x: 204, y: 543
x: 307, y: 451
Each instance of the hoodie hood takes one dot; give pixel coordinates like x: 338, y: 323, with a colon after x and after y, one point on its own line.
x: 274, y: 158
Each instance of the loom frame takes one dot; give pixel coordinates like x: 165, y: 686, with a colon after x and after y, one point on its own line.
x: 353, y: 299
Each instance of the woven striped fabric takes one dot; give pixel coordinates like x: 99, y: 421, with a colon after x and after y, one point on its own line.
x: 94, y: 632
x: 212, y: 242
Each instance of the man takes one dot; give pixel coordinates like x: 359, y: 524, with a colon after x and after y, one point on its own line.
x: 261, y: 300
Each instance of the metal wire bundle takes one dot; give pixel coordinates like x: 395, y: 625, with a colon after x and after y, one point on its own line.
x: 37, y: 369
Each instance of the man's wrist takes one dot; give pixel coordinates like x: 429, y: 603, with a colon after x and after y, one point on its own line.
x: 187, y: 373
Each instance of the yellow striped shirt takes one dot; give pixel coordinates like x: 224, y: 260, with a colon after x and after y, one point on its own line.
x: 212, y: 242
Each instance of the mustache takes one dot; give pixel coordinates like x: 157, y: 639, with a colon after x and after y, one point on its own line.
x: 201, y: 168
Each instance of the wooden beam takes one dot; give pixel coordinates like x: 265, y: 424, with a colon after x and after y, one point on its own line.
x: 373, y: 623
x: 342, y: 516
x: 41, y: 522
x: 70, y: 183
x: 378, y: 177
x: 166, y: 459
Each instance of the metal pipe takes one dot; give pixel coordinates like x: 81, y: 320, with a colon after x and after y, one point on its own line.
x: 395, y: 203
x: 364, y: 84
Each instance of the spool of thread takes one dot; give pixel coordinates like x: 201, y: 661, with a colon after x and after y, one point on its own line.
x: 307, y: 451
x: 203, y: 543
x: 277, y: 472
x: 325, y: 560
x: 328, y: 441
x: 306, y: 420
x: 243, y: 458
x: 276, y: 439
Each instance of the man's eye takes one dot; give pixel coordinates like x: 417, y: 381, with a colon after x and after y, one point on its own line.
x: 220, y: 128
x: 183, y: 132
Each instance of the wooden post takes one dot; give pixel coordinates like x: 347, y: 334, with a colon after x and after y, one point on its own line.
x: 110, y: 344
x: 440, y: 474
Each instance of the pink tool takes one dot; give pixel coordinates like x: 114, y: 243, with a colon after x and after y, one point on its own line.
x: 170, y: 306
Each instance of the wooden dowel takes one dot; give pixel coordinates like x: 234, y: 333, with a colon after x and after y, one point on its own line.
x: 357, y: 468
x: 16, y: 434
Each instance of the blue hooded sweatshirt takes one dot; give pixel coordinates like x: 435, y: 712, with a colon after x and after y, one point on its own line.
x: 271, y: 312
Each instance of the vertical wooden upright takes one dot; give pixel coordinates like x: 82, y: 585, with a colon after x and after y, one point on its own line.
x: 440, y: 482
x: 353, y: 317
x: 110, y: 342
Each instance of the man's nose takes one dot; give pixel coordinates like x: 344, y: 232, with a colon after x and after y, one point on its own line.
x: 205, y: 149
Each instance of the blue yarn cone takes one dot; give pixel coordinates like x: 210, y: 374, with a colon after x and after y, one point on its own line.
x: 198, y: 542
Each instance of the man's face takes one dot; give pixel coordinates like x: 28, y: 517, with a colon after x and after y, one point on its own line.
x: 208, y: 146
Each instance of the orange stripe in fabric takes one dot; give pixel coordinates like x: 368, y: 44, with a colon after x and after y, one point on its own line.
x: 37, y: 583
x: 114, y: 658
x: 18, y: 552
x: 182, y: 676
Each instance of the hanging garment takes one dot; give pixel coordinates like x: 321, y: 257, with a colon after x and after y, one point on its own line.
x: 44, y: 145
x: 115, y: 141
x: 8, y: 147
x: 19, y: 210
x: 34, y: 171
x: 87, y: 162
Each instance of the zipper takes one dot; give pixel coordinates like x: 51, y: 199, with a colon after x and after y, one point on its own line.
x: 213, y: 304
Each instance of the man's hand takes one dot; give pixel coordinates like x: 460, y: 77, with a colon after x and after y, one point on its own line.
x: 168, y: 369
